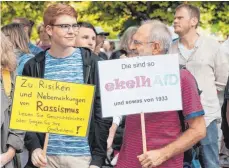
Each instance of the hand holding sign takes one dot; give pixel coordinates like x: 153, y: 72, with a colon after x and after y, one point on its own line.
x: 38, y: 158
x: 51, y: 107
x: 152, y: 158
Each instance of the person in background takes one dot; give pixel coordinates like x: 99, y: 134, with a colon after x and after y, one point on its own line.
x: 44, y: 41
x: 112, y: 45
x: 12, y: 141
x: 203, y: 57
x: 20, y: 41
x: 224, y: 48
x: 108, y: 48
x: 224, y: 96
x: 224, y: 153
x: 126, y: 41
x: 118, y: 54
x: 86, y: 36
x: 123, y: 52
x: 115, y: 137
x: 100, y: 38
x: 28, y: 25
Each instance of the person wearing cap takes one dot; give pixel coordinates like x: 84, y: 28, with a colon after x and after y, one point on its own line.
x: 100, y: 38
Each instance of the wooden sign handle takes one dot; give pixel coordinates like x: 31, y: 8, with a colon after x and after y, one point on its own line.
x: 45, y: 145
x: 143, y: 132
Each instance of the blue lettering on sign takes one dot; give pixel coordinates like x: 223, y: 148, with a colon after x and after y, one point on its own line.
x: 168, y: 80
x: 173, y: 79
x: 158, y: 80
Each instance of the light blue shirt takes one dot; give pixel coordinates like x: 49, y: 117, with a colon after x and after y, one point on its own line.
x: 22, y: 58
x: 68, y: 69
x: 34, y: 49
x: 186, y: 53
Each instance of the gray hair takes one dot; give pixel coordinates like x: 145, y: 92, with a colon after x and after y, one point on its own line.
x: 161, y: 33
x: 127, y: 37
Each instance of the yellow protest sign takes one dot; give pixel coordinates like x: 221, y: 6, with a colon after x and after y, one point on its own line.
x: 41, y: 105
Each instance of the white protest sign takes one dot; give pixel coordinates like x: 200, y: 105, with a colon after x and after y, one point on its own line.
x: 140, y: 84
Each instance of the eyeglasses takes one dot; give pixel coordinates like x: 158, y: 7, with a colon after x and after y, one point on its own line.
x: 136, y: 42
x: 66, y: 27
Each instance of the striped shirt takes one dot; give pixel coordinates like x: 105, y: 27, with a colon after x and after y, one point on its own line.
x: 161, y: 128
x: 68, y: 69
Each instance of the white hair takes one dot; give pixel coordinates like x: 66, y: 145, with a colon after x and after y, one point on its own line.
x: 159, y: 32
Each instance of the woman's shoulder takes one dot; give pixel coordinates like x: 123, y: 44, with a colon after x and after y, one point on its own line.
x: 25, y: 56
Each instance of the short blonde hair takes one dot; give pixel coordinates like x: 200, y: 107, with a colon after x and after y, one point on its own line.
x: 17, y: 36
x: 8, y: 58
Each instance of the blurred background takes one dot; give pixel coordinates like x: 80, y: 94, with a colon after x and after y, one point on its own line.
x: 115, y: 17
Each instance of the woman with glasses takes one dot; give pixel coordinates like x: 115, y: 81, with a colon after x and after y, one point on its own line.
x: 126, y: 41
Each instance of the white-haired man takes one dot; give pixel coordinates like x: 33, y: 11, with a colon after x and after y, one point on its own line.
x: 165, y: 142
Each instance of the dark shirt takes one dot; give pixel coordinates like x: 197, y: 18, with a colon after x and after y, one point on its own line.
x: 103, y: 56
x: 225, y: 125
x: 226, y: 93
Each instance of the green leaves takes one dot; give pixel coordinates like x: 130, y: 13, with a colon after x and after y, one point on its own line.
x: 116, y: 16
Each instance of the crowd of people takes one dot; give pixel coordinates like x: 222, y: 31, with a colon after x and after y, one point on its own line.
x: 69, y: 51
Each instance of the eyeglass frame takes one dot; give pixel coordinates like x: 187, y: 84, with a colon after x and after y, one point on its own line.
x: 141, y: 43
x: 69, y: 25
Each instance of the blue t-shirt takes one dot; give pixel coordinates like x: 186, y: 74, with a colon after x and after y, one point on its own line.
x: 68, y: 69
x: 22, y: 58
x: 34, y: 49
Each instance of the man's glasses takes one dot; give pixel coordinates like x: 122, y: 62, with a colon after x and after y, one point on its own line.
x: 66, y: 27
x: 136, y: 42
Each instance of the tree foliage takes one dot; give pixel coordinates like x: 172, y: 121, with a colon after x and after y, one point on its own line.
x: 116, y: 16
x: 32, y: 10
x: 120, y: 15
